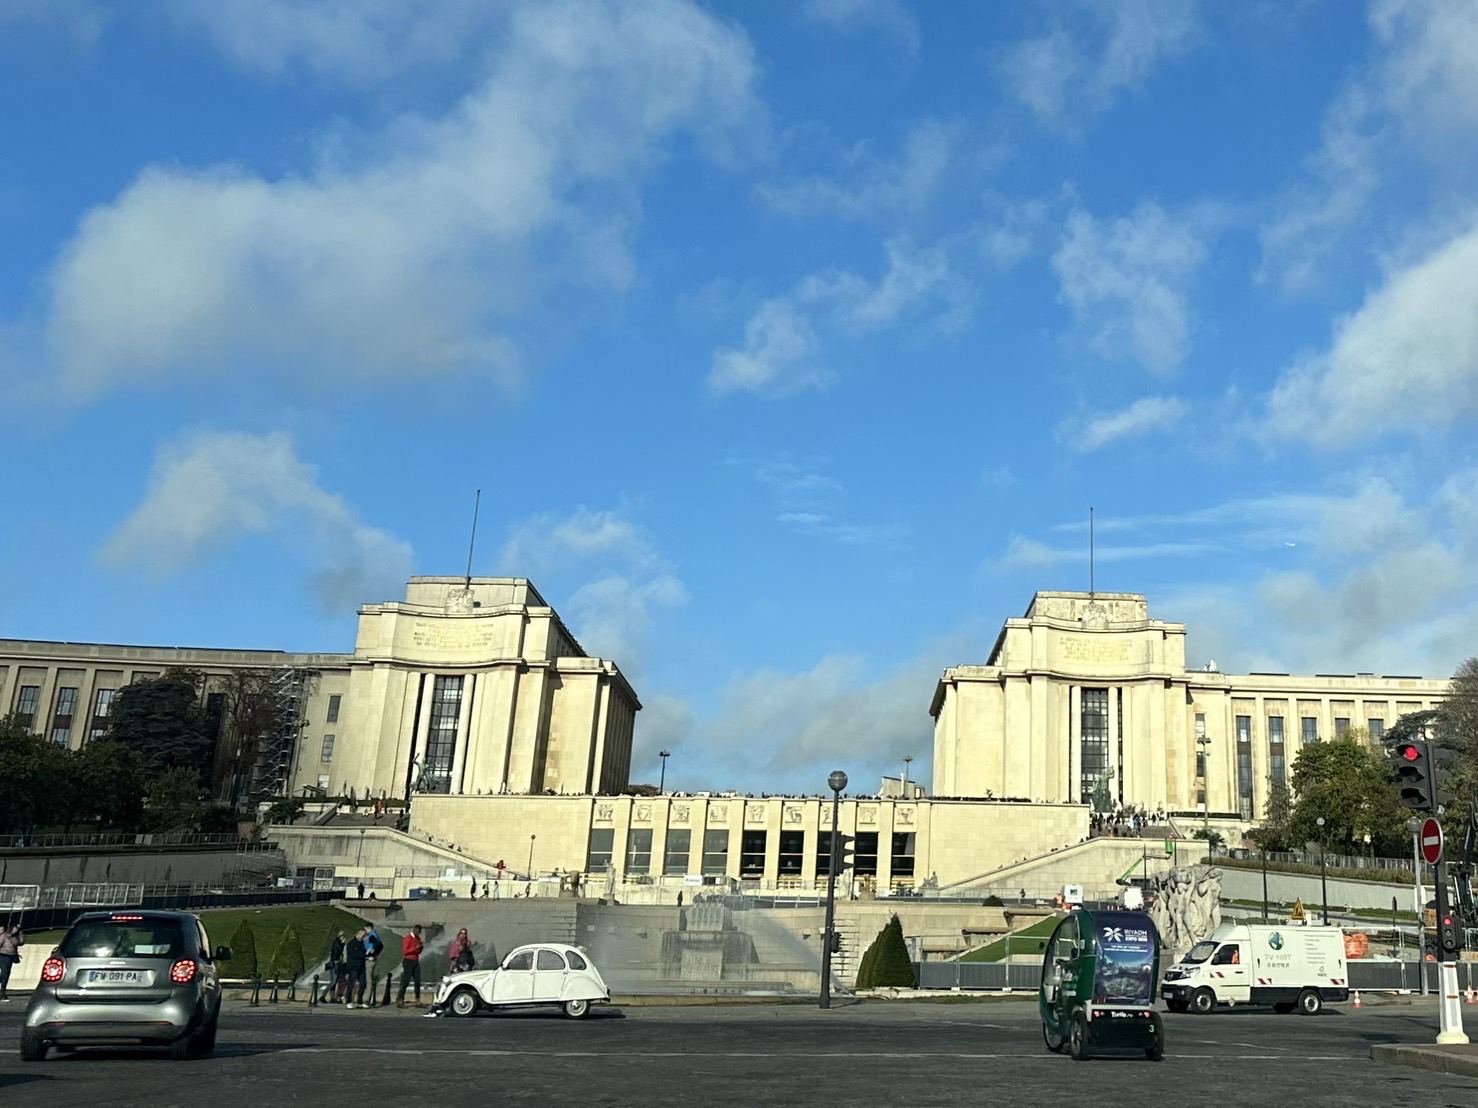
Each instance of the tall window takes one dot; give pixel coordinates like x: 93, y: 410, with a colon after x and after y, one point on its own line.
x: 752, y: 854
x: 903, y: 854
x: 602, y: 845
x: 328, y: 749
x: 715, y: 853
x: 25, y: 705
x: 865, y: 853
x: 1377, y: 729
x: 1276, y: 762
x: 333, y: 708
x: 441, y: 740
x: 793, y: 852
x: 1341, y: 725
x: 1201, y: 745
x: 61, y: 719
x: 639, y: 850
x: 101, y: 706
x: 823, y: 853
x: 1310, y: 727
x: 1093, y: 741
x: 679, y: 842
x: 1244, y: 766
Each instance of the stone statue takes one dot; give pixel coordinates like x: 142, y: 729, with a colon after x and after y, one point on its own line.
x: 1186, y: 908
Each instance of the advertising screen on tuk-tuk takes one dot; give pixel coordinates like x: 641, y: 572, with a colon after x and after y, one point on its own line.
x: 1126, y: 945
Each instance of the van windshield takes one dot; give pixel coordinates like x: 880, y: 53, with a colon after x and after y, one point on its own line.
x: 1200, y: 952
x: 137, y: 938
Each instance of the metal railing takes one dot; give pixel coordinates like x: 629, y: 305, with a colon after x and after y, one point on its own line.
x: 161, y: 839
x: 1311, y: 858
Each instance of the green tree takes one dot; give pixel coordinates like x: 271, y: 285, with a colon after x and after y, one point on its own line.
x: 287, y: 959
x: 111, y: 785
x: 38, y: 781
x: 285, y: 810
x: 1274, y: 832
x: 886, y: 963
x: 174, y: 801
x: 250, y: 712
x: 243, y: 961
x: 160, y: 720
x: 1349, y: 785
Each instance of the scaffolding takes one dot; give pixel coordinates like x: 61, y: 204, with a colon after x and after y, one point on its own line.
x: 290, y: 689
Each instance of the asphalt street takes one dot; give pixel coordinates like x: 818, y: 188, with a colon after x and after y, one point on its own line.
x: 871, y: 1053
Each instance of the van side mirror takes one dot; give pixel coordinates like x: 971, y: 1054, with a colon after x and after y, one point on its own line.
x: 223, y: 954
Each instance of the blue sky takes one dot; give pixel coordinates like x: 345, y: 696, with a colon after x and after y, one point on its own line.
x: 789, y: 343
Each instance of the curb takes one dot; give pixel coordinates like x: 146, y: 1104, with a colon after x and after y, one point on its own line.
x: 1461, y: 1061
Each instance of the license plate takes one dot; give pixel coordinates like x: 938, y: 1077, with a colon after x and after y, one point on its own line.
x: 116, y: 977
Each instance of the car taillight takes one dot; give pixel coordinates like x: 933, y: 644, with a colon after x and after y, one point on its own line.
x: 183, y: 971
x: 52, y: 970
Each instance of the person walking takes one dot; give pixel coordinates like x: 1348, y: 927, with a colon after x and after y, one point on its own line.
x: 11, y: 941
x: 354, y: 955
x: 335, y: 967
x: 410, y: 964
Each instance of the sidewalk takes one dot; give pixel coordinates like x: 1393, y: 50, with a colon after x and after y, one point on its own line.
x: 1461, y: 1060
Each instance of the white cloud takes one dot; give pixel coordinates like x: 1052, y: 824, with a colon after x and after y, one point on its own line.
x: 823, y: 526
x: 781, y: 352
x: 625, y: 579
x: 889, y: 16
x: 1069, y: 72
x: 1032, y: 554
x: 1128, y: 282
x: 356, y: 41
x: 906, y: 182
x: 425, y: 257
x: 1406, y: 360
x: 1148, y: 413
x: 209, y: 491
x: 1415, y: 102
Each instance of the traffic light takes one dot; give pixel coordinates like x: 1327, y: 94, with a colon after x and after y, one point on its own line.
x: 846, y: 847
x: 1449, y: 934
x: 834, y: 941
x: 1414, y: 774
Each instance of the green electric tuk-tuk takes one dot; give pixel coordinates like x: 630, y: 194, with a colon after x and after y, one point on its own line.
x: 1099, y: 975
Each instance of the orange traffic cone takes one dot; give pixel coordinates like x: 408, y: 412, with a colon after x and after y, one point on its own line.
x: 1357, y: 998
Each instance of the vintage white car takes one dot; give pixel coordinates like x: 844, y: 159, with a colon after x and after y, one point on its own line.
x: 543, y: 973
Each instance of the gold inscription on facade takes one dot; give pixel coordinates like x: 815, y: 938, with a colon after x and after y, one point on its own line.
x: 457, y: 635
x: 1084, y: 648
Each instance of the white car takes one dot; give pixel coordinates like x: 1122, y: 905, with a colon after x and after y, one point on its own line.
x: 542, y: 973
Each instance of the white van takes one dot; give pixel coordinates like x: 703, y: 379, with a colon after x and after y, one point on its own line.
x: 1285, y: 965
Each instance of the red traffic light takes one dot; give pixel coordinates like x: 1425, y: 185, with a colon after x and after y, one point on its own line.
x: 1410, y: 751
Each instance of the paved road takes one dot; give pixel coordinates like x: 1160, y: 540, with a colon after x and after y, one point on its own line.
x: 875, y: 1053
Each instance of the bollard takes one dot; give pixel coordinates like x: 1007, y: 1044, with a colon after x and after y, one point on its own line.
x: 272, y: 997
x: 389, y: 977
x: 292, y: 991
x: 313, y: 996
x: 256, y: 991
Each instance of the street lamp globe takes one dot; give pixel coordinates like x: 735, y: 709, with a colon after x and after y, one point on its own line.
x: 837, y: 780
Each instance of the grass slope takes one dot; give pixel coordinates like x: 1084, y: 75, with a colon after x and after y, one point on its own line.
x: 1029, y: 940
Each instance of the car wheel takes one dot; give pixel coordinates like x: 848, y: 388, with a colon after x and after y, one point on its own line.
x: 33, y: 1046
x: 1310, y: 1003
x: 576, y: 1009
x: 183, y: 1048
x: 1054, y: 1041
x: 464, y: 1002
x: 205, y: 1041
x: 1284, y: 1009
x: 1154, y: 1048
x: 1078, y: 1038
x: 1203, y: 1002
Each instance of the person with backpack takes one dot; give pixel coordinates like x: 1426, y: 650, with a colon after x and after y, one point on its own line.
x: 373, y: 947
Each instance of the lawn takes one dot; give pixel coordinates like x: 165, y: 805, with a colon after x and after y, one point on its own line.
x: 315, y: 925
x: 1029, y: 940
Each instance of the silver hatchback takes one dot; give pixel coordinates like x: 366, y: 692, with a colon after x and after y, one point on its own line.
x: 128, y: 978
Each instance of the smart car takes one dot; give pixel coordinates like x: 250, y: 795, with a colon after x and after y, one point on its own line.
x: 539, y: 974
x: 127, y: 978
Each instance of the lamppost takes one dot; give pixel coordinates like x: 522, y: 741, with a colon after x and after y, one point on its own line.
x: 359, y: 858
x: 1202, y: 741
x: 662, y: 785
x: 837, y: 780
x: 903, y: 785
x: 1323, y: 888
x: 1264, y: 882
x: 530, y: 870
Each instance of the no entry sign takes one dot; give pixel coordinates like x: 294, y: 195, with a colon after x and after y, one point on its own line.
x: 1430, y: 838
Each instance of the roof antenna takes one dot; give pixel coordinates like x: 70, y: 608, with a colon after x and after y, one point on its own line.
x: 1090, y: 550
x: 471, y: 542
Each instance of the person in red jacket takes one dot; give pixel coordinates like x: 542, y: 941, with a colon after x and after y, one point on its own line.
x: 410, y: 964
